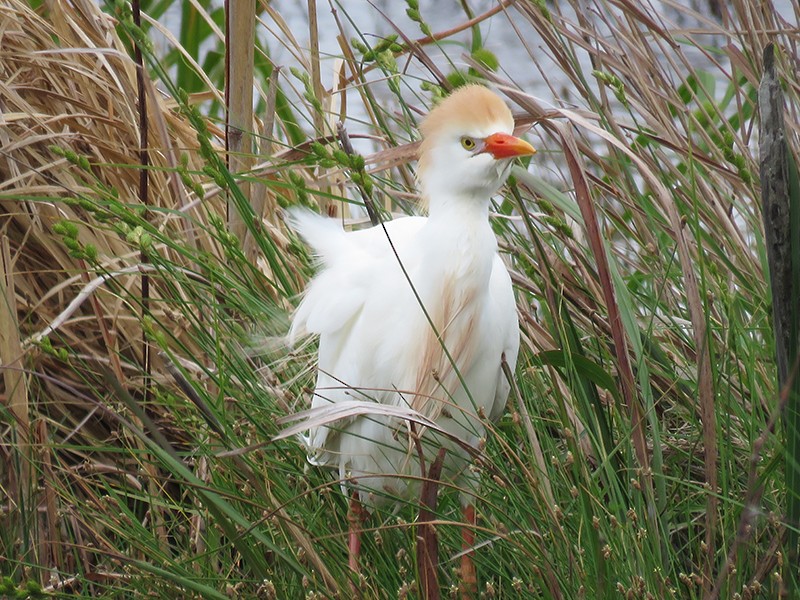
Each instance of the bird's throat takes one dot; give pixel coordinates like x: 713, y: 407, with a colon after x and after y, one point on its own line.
x: 461, y: 241
x: 459, y: 210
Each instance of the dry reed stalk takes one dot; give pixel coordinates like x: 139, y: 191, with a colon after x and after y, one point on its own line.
x: 51, y: 551
x: 240, y: 19
x: 15, y: 396
x: 316, y: 76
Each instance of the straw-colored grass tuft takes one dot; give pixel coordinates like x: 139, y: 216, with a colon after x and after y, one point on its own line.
x: 68, y: 139
x: 69, y: 130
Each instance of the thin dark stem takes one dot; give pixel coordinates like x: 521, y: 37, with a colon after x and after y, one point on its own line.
x: 144, y: 162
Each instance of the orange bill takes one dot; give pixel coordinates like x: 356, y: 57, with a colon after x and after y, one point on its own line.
x: 502, y: 145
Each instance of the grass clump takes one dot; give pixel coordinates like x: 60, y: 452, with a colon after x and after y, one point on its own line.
x: 639, y: 456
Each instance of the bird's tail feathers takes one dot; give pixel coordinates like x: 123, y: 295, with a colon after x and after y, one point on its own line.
x: 323, y: 234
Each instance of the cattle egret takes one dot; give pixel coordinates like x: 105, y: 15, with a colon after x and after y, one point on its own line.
x: 418, y: 313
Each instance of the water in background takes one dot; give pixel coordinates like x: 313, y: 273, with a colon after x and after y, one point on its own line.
x: 501, y: 34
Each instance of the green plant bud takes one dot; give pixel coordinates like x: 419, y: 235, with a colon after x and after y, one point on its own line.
x: 134, y: 235
x: 319, y: 150
x: 145, y: 241
x: 358, y: 45
x: 394, y: 84
x: 486, y: 58
x: 369, y: 186
x: 341, y: 157
x: 160, y: 339
x: 90, y: 252
x: 215, y: 175
x: 457, y: 78
x: 148, y: 324
x: 545, y: 206
x: 387, y: 60
x: 70, y: 229
x: 357, y: 162
x: 298, y: 74
x: 385, y: 43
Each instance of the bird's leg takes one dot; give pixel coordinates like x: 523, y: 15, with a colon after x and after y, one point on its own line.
x: 355, y: 517
x: 427, y: 542
x: 469, y: 579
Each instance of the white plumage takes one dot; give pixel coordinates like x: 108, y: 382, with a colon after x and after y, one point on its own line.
x: 376, y: 342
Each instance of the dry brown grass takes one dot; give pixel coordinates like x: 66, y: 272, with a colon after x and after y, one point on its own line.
x: 68, y: 81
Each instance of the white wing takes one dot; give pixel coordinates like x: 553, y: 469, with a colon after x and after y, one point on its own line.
x: 349, y: 261
x: 503, y: 307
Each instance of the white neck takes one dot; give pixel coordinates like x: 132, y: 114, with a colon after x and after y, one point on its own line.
x: 458, y: 208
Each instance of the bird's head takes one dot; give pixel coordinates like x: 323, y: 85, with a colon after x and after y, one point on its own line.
x: 468, y: 145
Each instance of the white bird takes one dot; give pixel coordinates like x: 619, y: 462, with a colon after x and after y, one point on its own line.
x: 417, y: 313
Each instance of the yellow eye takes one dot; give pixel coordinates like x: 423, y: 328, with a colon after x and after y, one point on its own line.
x: 467, y: 143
